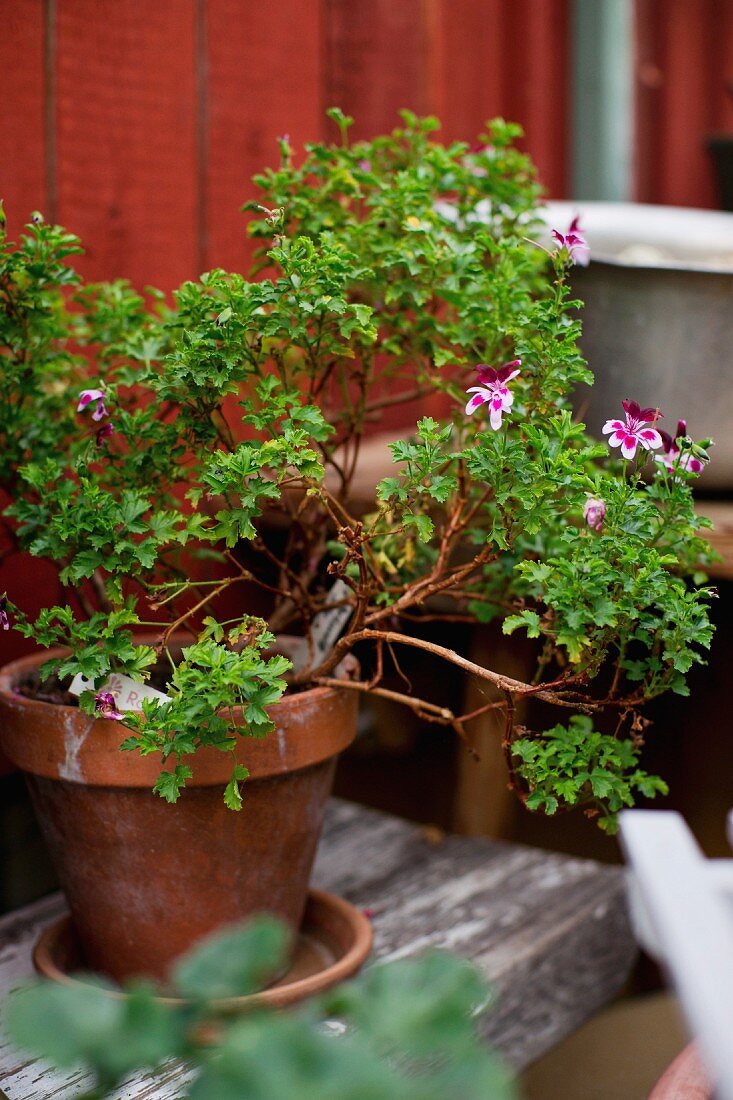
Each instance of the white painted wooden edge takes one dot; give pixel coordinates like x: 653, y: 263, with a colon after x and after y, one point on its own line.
x: 685, y: 912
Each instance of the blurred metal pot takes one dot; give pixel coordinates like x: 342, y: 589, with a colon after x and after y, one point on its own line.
x: 658, y: 317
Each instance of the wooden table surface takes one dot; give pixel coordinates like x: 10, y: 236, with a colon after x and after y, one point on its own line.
x: 551, y: 933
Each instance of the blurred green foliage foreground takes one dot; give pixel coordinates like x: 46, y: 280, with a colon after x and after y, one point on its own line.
x: 404, y: 1030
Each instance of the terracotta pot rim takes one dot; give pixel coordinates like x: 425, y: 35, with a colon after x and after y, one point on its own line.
x: 58, y: 741
x: 11, y: 672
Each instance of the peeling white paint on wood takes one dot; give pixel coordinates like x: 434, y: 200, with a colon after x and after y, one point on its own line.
x: 550, y: 932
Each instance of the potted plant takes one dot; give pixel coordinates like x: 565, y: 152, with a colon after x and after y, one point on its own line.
x: 151, y: 451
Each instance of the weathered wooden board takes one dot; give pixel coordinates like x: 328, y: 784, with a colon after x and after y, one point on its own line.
x: 551, y: 933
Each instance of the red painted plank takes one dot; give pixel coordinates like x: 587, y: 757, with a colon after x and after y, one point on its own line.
x: 264, y: 76
x: 684, y: 69
x: 32, y: 585
x: 469, y: 57
x: 22, y: 144
x: 647, y: 99
x: 686, y: 175
x: 535, y: 71
x: 721, y: 23
x: 23, y: 189
x: 126, y: 136
x: 377, y: 61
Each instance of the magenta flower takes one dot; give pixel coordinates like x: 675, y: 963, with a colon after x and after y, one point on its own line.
x: 673, y: 458
x: 494, y: 390
x: 86, y: 397
x: 105, y: 706
x: 104, y: 433
x: 635, y: 432
x: 574, y: 243
x: 4, y: 620
x: 594, y: 512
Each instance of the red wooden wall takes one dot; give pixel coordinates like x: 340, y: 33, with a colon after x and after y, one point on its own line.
x: 684, y: 92
x: 138, y: 125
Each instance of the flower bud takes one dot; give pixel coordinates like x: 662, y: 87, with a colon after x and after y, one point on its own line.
x: 594, y: 512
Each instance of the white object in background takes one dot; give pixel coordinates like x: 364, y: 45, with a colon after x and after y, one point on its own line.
x: 682, y: 906
x: 637, y: 234
x: 128, y: 693
x: 326, y: 629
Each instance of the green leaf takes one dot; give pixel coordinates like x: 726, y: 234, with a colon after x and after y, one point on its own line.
x: 169, y: 784
x: 234, y: 963
x: 232, y: 794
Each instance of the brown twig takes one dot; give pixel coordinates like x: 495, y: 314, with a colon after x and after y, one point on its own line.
x: 516, y: 688
x: 429, y: 712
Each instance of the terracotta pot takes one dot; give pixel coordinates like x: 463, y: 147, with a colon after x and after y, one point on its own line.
x: 145, y: 879
x: 685, y: 1079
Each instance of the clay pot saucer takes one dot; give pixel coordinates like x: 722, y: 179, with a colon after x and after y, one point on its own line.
x: 333, y: 941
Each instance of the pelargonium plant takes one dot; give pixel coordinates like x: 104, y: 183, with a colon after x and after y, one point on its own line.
x: 189, y: 468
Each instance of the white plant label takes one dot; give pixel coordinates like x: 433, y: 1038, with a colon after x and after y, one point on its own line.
x: 128, y: 693
x: 327, y: 627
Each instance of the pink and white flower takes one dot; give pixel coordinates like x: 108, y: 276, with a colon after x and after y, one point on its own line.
x: 636, y: 432
x: 4, y: 620
x: 574, y: 242
x: 86, y: 397
x: 106, y: 707
x: 493, y: 390
x: 674, y: 458
x: 594, y: 512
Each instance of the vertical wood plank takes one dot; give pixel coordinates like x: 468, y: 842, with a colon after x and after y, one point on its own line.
x: 683, y: 73
x: 535, y: 71
x: 377, y: 61
x: 126, y: 136
x: 264, y: 78
x: 23, y: 188
x: 470, y: 58
x: 648, y: 98
x: 22, y: 143
x: 720, y: 24
x: 685, y: 171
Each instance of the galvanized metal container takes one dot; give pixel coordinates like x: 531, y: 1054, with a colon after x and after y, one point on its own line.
x: 658, y: 317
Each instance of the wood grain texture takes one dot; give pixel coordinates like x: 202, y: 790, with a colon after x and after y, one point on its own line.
x: 126, y: 119
x: 377, y: 61
x: 551, y: 933
x: 683, y: 71
x: 264, y: 72
x: 536, y: 67
x: 22, y: 95
x: 469, y: 71
x: 464, y: 60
